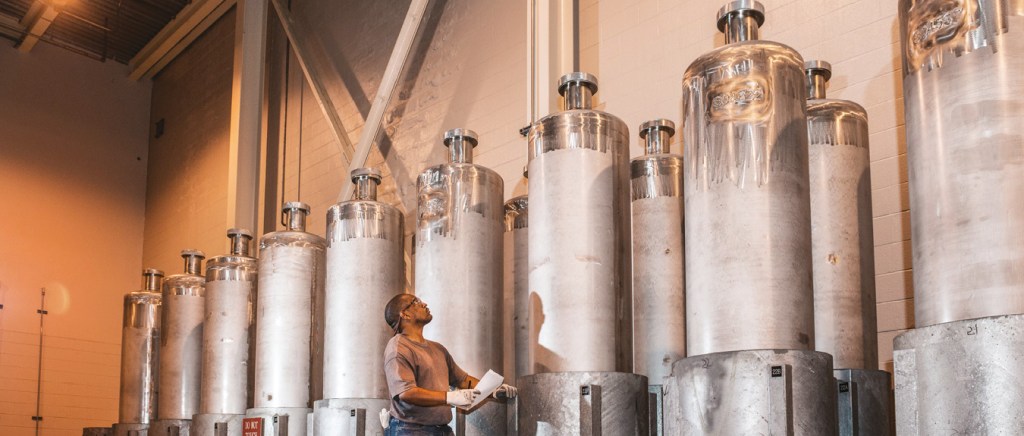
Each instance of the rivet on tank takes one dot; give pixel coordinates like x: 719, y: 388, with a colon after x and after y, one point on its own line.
x: 365, y: 269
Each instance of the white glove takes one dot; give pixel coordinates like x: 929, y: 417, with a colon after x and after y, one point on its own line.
x: 461, y: 397
x: 505, y: 391
x: 385, y: 417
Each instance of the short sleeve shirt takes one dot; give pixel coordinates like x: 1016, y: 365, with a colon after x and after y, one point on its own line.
x: 409, y: 364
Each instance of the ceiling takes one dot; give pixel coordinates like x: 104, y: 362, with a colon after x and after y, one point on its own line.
x: 101, y: 29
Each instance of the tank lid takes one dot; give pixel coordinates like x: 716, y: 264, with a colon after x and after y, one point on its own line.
x: 579, y: 77
x: 295, y: 205
x: 819, y: 67
x: 367, y: 173
x: 191, y: 252
x: 751, y: 8
x: 152, y: 272
x: 236, y: 232
x: 658, y: 124
x: 460, y: 133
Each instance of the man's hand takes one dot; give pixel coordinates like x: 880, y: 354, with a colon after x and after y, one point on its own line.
x: 461, y: 397
x: 505, y: 391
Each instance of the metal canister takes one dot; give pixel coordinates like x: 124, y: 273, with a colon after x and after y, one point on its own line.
x: 517, y: 289
x: 365, y: 269
x: 748, y: 219
x: 965, y: 148
x: 289, y: 314
x: 659, y: 310
x: 458, y: 263
x: 579, y: 235
x: 227, y: 329
x: 181, y: 340
x: 841, y: 232
x: 140, y: 344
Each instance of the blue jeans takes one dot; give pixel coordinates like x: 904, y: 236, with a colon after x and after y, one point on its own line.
x: 402, y: 428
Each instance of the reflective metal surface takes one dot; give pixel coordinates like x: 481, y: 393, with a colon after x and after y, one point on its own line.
x: 517, y: 289
x: 290, y: 316
x: 365, y: 269
x: 748, y: 239
x: 659, y: 323
x: 961, y: 377
x: 583, y: 403
x: 181, y: 342
x: 140, y: 342
x: 579, y: 239
x: 227, y: 372
x: 460, y: 221
x: 842, y: 238
x: 865, y: 402
x: 962, y: 90
x: 353, y: 417
x: 755, y: 392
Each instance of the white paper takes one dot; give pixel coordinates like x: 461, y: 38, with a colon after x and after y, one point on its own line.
x: 489, y: 383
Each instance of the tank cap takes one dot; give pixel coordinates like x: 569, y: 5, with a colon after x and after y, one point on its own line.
x: 582, y: 78
x: 245, y: 233
x: 152, y: 272
x: 751, y: 8
x: 659, y: 124
x: 368, y: 173
x: 295, y: 205
x: 819, y: 67
x: 466, y: 135
x: 191, y: 252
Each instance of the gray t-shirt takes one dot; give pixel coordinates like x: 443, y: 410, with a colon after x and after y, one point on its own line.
x: 409, y: 364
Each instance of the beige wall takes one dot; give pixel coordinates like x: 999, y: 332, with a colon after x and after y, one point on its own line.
x: 72, y: 184
x: 186, y: 192
x: 473, y: 75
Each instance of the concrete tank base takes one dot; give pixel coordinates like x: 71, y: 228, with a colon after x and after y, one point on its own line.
x: 131, y: 429
x: 348, y: 416
x: 281, y: 421
x: 786, y: 392
x: 865, y: 402
x: 170, y: 427
x: 491, y: 418
x: 961, y: 377
x: 210, y: 424
x: 97, y: 431
x: 583, y: 403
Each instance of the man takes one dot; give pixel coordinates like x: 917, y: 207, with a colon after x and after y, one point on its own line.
x: 421, y: 372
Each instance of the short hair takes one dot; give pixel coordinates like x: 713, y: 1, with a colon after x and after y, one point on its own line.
x: 393, y: 311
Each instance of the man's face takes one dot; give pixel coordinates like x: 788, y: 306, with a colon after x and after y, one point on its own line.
x: 417, y: 311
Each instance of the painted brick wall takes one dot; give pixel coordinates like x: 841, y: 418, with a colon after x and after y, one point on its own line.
x: 186, y: 189
x: 72, y: 182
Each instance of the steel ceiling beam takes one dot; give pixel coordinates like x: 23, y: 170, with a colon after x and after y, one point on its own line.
x: 191, y: 22
x: 38, y: 18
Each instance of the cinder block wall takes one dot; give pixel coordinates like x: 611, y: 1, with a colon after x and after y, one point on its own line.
x: 473, y: 74
x: 72, y: 185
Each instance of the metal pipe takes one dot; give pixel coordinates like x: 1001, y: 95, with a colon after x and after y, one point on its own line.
x: 818, y: 73
x: 740, y: 20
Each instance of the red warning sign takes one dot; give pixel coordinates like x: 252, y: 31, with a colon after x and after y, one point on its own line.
x: 252, y: 427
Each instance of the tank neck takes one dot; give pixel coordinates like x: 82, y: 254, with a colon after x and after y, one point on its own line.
x: 818, y: 73
x: 366, y: 181
x: 293, y: 216
x: 657, y: 136
x: 152, y: 279
x: 740, y: 28
x: 577, y: 90
x: 193, y: 261
x: 240, y: 239
x: 460, y: 143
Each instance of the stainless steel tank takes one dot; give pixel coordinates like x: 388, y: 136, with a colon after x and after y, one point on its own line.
x: 227, y: 376
x: 181, y: 343
x: 579, y: 236
x: 754, y: 392
x: 659, y: 323
x: 365, y: 269
x: 517, y: 287
x: 458, y: 256
x: 841, y: 232
x: 289, y: 321
x: 748, y: 238
x: 961, y: 377
x: 962, y: 91
x: 140, y: 343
